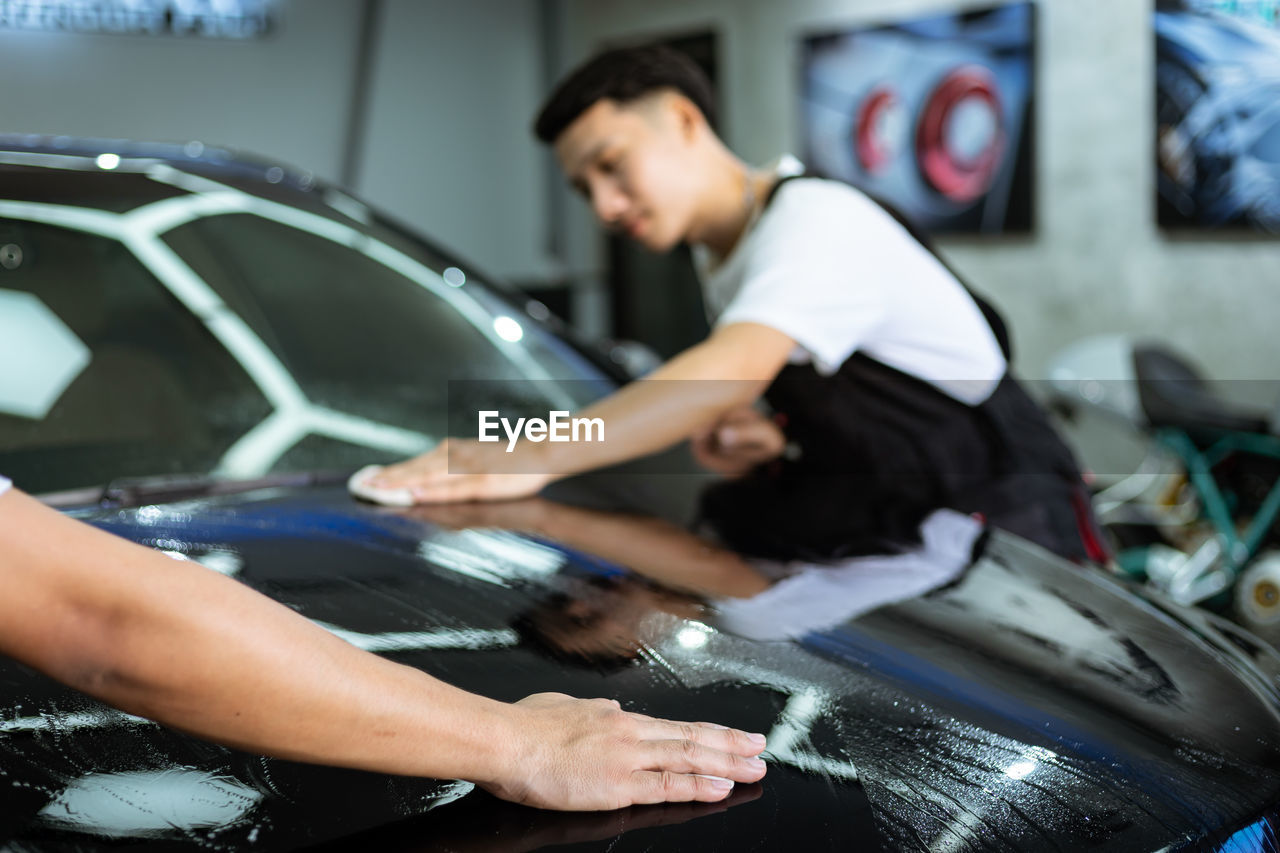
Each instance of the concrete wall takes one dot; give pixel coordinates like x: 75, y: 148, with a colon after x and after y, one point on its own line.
x: 446, y: 141
x: 455, y: 87
x: 1097, y: 262
x: 285, y: 96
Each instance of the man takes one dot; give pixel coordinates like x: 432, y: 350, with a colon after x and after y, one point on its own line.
x: 96, y: 612
x: 890, y: 377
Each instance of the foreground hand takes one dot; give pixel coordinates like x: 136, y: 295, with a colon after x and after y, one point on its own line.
x: 459, y: 470
x: 589, y: 754
x: 739, y: 441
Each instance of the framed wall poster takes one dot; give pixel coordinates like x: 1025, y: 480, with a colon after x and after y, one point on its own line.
x: 933, y: 115
x: 1218, y: 114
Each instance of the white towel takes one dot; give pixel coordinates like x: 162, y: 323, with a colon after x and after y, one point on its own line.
x: 812, y: 597
x: 359, y: 487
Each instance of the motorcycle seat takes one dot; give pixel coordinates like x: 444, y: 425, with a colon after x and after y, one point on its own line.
x: 1174, y: 394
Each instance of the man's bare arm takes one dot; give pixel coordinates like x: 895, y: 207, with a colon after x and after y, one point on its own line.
x: 188, y: 647
x: 689, y: 393
x: 686, y: 395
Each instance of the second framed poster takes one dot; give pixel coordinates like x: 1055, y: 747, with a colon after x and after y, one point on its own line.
x: 932, y: 115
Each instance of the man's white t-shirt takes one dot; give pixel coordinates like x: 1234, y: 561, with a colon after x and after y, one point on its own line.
x: 834, y: 271
x: 4, y: 485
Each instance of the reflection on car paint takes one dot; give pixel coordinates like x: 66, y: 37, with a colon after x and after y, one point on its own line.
x: 811, y: 597
x: 406, y: 641
x: 491, y: 556
x: 51, y: 354
x: 959, y: 714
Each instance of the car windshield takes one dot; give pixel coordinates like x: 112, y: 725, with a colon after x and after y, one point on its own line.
x: 221, y: 332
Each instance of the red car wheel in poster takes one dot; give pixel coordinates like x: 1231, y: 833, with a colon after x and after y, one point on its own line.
x: 877, y: 131
x: 961, y: 172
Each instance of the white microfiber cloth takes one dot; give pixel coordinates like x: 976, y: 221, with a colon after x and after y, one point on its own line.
x: 814, y: 597
x: 358, y: 485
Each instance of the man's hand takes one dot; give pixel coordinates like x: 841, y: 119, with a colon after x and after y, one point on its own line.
x: 741, y: 440
x: 455, y: 470
x: 589, y: 754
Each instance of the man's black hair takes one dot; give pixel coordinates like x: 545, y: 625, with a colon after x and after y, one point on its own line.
x: 623, y: 75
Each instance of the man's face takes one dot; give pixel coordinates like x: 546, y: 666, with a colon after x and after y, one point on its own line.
x: 632, y: 164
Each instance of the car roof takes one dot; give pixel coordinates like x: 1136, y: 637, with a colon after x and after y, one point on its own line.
x: 192, y: 156
x: 141, y: 172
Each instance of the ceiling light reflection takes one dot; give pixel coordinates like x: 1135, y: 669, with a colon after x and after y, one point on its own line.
x: 693, y: 636
x: 508, y: 329
x: 1020, y: 769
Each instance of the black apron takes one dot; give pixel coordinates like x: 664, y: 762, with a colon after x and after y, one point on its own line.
x: 878, y: 449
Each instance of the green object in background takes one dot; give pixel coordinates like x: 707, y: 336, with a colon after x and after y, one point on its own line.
x: 1133, y: 561
x: 1218, y: 507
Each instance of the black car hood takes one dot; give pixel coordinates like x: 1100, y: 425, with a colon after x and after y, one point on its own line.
x: 1027, y: 704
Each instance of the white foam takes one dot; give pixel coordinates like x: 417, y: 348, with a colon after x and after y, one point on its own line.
x: 149, y: 802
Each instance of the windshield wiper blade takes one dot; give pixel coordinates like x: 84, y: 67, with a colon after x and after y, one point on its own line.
x: 138, y: 491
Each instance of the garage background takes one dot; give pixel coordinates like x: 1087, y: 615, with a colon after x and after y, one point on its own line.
x: 423, y: 107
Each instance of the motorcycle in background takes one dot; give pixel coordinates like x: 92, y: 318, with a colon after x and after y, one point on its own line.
x: 1197, y: 519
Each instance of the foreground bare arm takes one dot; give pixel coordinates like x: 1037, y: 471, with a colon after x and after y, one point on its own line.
x: 201, y: 652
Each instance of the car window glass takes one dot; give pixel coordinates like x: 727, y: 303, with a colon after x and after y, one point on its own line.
x: 360, y: 337
x: 91, y: 187
x: 560, y: 358
x: 106, y: 374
